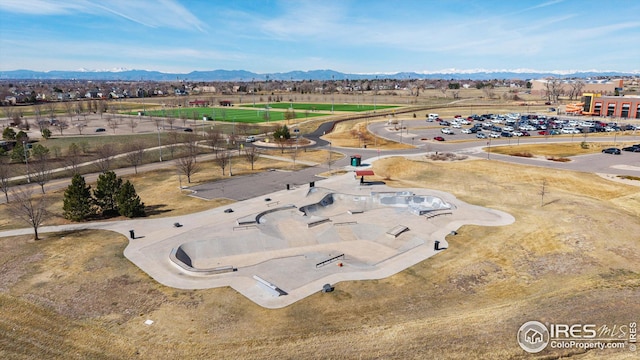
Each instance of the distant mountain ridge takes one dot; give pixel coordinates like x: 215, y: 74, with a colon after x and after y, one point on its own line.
x: 243, y: 75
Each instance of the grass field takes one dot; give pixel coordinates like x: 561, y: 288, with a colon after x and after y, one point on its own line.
x: 324, y: 107
x: 74, y: 295
x: 228, y: 114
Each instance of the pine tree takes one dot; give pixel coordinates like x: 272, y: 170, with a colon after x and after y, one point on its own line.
x: 129, y: 203
x: 106, y: 191
x: 77, y: 203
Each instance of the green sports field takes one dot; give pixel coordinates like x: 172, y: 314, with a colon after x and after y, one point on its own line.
x: 228, y: 114
x: 324, y: 107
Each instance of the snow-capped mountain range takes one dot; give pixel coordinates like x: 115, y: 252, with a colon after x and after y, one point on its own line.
x: 244, y: 75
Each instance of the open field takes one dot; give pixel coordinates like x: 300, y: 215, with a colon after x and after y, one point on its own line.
x: 228, y: 114
x: 560, y: 150
x: 75, y: 295
x: 324, y: 107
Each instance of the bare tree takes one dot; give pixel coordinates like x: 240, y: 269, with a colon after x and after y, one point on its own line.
x: 543, y: 192
x: 68, y: 108
x: 112, y: 122
x: 488, y: 91
x: 5, y: 174
x: 553, y: 89
x: 188, y: 166
x: 223, y: 158
x: 133, y: 123
x: 213, y: 137
x: 190, y: 143
x: 173, y: 138
x: 252, y: 154
x: 50, y: 107
x: 62, y: 126
x: 576, y: 89
x: 134, y: 154
x: 30, y: 209
x: 73, y: 158
x: 444, y: 90
x: 41, y: 169
x: 170, y: 120
x: 105, y: 152
x: 80, y: 125
x: 8, y: 113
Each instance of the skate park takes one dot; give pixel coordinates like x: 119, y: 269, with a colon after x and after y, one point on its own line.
x: 282, y: 247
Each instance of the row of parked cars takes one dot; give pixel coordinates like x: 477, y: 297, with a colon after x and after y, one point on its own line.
x: 509, y: 125
x: 616, y: 151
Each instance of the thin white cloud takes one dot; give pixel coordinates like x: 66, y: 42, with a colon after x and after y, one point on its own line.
x: 42, y: 7
x: 149, y: 13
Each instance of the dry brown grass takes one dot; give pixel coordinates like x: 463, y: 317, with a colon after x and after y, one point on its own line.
x: 75, y: 296
x: 354, y: 134
x: 556, y: 149
x: 575, y: 259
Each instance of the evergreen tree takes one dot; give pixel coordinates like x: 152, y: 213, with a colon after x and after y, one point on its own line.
x: 129, y: 203
x: 77, y: 203
x: 106, y: 191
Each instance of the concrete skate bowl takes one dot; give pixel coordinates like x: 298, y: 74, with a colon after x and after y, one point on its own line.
x: 181, y: 258
x: 335, y: 203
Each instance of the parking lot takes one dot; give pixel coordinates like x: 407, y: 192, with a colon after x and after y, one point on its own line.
x: 511, y: 127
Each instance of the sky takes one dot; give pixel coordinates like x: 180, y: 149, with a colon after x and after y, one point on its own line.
x: 349, y: 36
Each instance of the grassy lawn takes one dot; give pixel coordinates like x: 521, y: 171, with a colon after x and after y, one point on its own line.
x: 324, y: 107
x: 227, y: 114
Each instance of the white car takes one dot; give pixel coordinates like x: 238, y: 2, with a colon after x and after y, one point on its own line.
x: 446, y: 131
x: 464, y: 122
x: 507, y: 128
x: 567, y: 130
x: 494, y: 135
x: 466, y: 131
x: 456, y: 125
x: 518, y: 133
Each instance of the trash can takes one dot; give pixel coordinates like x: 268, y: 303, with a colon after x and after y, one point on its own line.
x: 287, y: 186
x: 436, y: 246
x: 132, y: 234
x: 356, y: 160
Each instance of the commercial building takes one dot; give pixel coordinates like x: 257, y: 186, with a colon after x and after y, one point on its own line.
x: 626, y: 107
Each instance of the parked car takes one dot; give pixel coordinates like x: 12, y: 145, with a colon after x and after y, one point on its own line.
x: 614, y: 151
x: 187, y: 130
x: 438, y: 138
x: 101, y: 130
x: 631, y: 148
x: 481, y: 135
x: 518, y: 133
x: 466, y: 131
x: 250, y: 139
x: 446, y: 131
x: 456, y: 125
x: 506, y: 134
x: 494, y: 135
x: 445, y: 123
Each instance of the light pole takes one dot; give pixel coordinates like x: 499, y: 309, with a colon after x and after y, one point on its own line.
x: 159, y: 144
x: 329, y: 162
x: 26, y: 161
x: 332, y: 96
x: 375, y: 92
